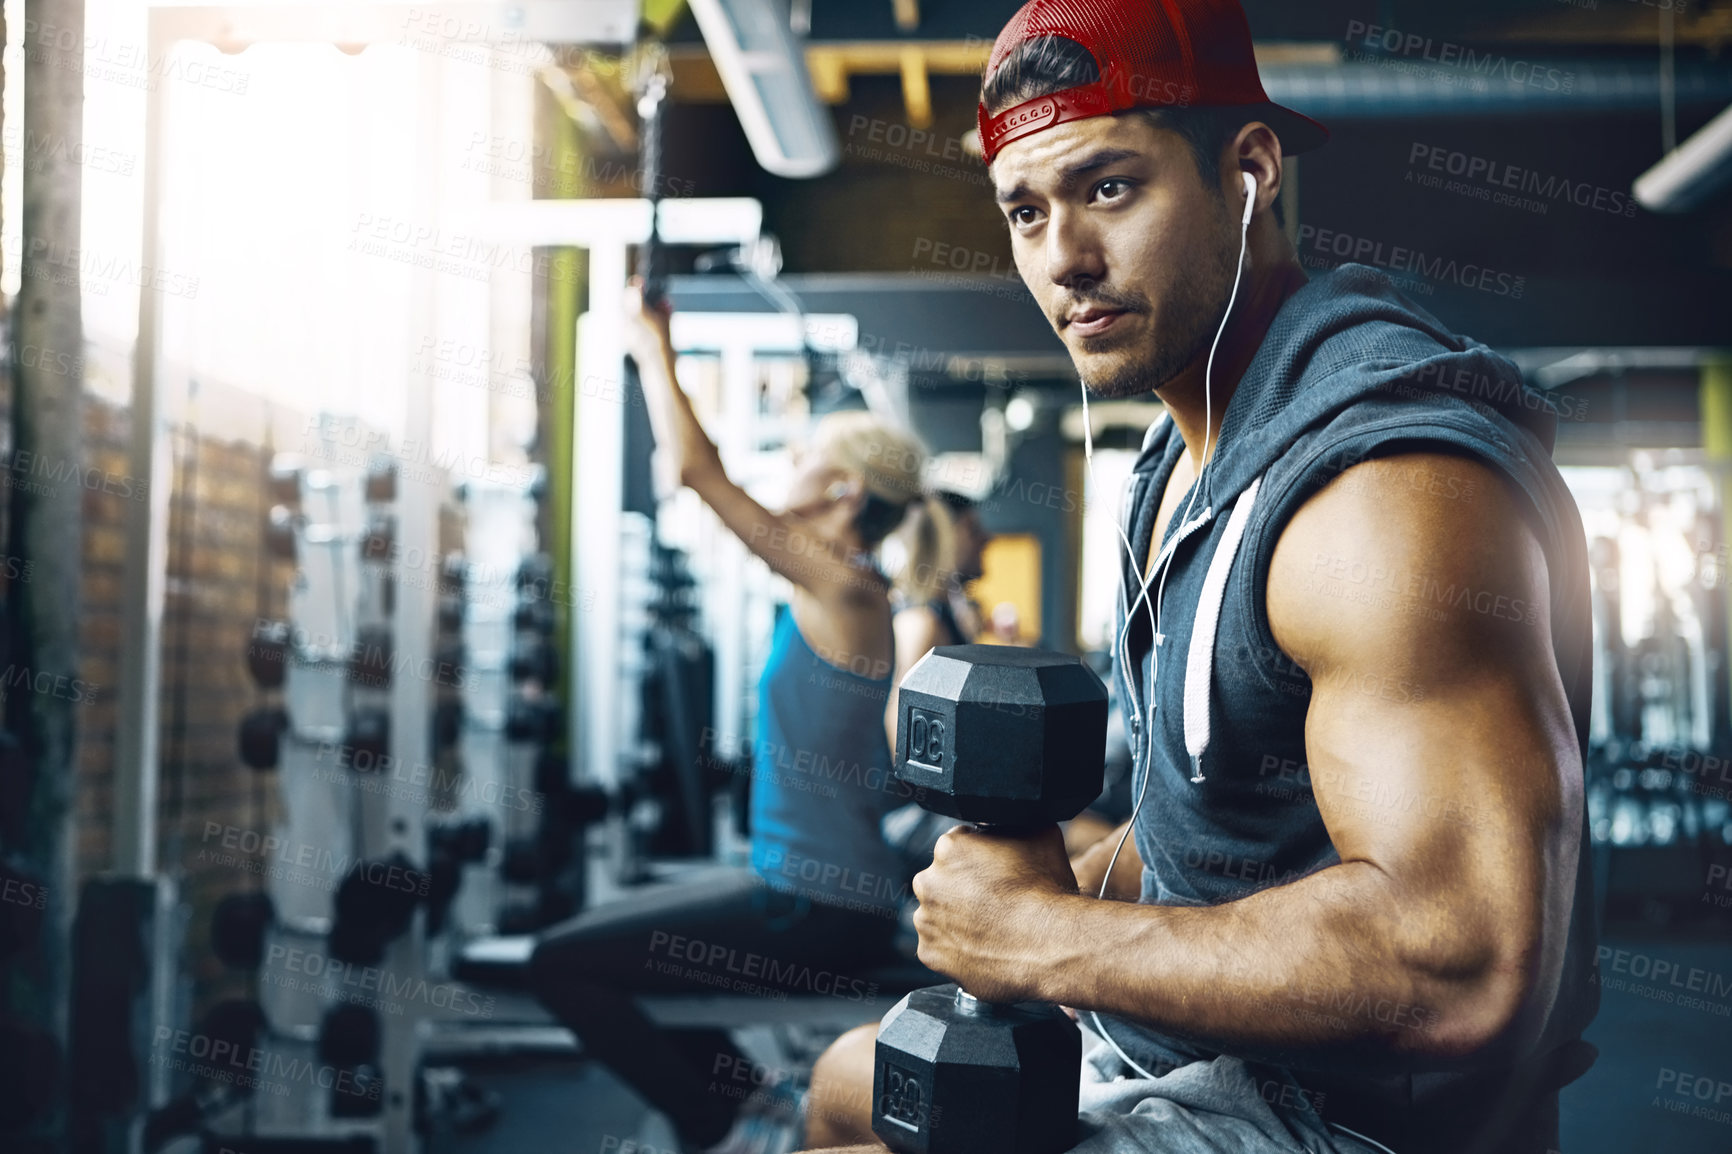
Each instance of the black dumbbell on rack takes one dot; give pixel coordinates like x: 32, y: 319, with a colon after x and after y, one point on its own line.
x: 238, y: 926
x: 374, y: 905
x: 269, y: 649
x: 233, y: 1030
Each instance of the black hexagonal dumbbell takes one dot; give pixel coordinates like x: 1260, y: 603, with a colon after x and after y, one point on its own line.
x: 261, y: 736
x: 374, y: 905
x: 230, y: 1033
x: 236, y: 1024
x: 379, y: 540
x: 381, y: 482
x: 349, y: 1035
x: 238, y: 926
x: 449, y: 614
x: 447, y: 722
x: 534, y: 575
x: 534, y: 659
x: 268, y: 653
x: 529, y: 720
x: 371, y: 657
x: 464, y: 839
x: 1013, y: 738
x: 367, y: 741
x: 450, y: 846
x: 535, y: 615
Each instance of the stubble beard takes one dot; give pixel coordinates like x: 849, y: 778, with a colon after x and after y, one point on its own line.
x: 1194, y: 311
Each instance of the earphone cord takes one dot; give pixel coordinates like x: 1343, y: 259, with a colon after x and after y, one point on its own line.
x: 1153, y: 607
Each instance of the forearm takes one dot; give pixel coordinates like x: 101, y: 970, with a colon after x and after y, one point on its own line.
x: 1319, y: 964
x: 678, y: 432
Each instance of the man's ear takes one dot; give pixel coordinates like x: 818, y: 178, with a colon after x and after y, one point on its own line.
x: 1255, y: 150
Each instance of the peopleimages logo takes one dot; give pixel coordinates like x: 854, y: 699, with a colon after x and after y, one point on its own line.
x: 1323, y: 248
x: 222, y: 1060
x: 1501, y: 183
x: 1374, y: 43
x: 722, y: 960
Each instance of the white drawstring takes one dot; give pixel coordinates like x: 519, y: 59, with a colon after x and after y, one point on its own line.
x: 1200, y: 665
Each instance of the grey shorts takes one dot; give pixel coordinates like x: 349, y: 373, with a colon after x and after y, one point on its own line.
x: 1219, y: 1107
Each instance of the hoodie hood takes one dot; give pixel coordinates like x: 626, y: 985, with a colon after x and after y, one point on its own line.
x: 1350, y: 336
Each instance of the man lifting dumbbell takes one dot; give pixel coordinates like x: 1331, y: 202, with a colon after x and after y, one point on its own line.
x: 1364, y: 914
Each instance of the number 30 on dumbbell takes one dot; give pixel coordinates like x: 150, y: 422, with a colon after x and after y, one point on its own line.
x: 1012, y: 738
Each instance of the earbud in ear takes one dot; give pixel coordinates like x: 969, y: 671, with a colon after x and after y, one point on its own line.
x: 1250, y: 198
x: 837, y: 490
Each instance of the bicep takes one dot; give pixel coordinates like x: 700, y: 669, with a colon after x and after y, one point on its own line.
x: 1439, y: 738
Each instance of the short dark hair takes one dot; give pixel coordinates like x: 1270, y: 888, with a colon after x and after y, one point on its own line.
x: 1044, y: 65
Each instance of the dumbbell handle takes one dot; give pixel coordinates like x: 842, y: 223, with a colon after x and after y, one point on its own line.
x: 966, y: 1002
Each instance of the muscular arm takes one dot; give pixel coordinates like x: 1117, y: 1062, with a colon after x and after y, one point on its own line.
x: 1445, y: 766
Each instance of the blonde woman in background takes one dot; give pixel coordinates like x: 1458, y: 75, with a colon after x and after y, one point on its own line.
x: 821, y: 897
x: 947, y: 615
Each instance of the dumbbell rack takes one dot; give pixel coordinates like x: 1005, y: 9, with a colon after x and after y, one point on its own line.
x: 627, y: 847
x: 499, y: 534
x: 357, y: 698
x: 333, y: 600
x: 660, y: 609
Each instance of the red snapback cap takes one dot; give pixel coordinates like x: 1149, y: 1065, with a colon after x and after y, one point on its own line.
x: 1151, y: 54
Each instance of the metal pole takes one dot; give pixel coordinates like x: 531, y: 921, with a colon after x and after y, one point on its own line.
x: 47, y: 528
x: 146, y: 564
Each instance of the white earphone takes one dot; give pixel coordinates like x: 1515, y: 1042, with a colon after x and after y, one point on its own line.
x: 1250, y: 199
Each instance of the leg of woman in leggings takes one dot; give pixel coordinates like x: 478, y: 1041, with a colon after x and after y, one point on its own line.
x: 707, y: 936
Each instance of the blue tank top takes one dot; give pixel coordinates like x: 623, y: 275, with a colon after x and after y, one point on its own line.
x: 1350, y: 370
x: 822, y: 780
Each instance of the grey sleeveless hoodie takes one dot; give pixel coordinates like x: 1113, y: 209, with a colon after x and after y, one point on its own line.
x: 1349, y: 370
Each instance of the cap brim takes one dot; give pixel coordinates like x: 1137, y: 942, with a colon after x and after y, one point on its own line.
x: 1298, y: 132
